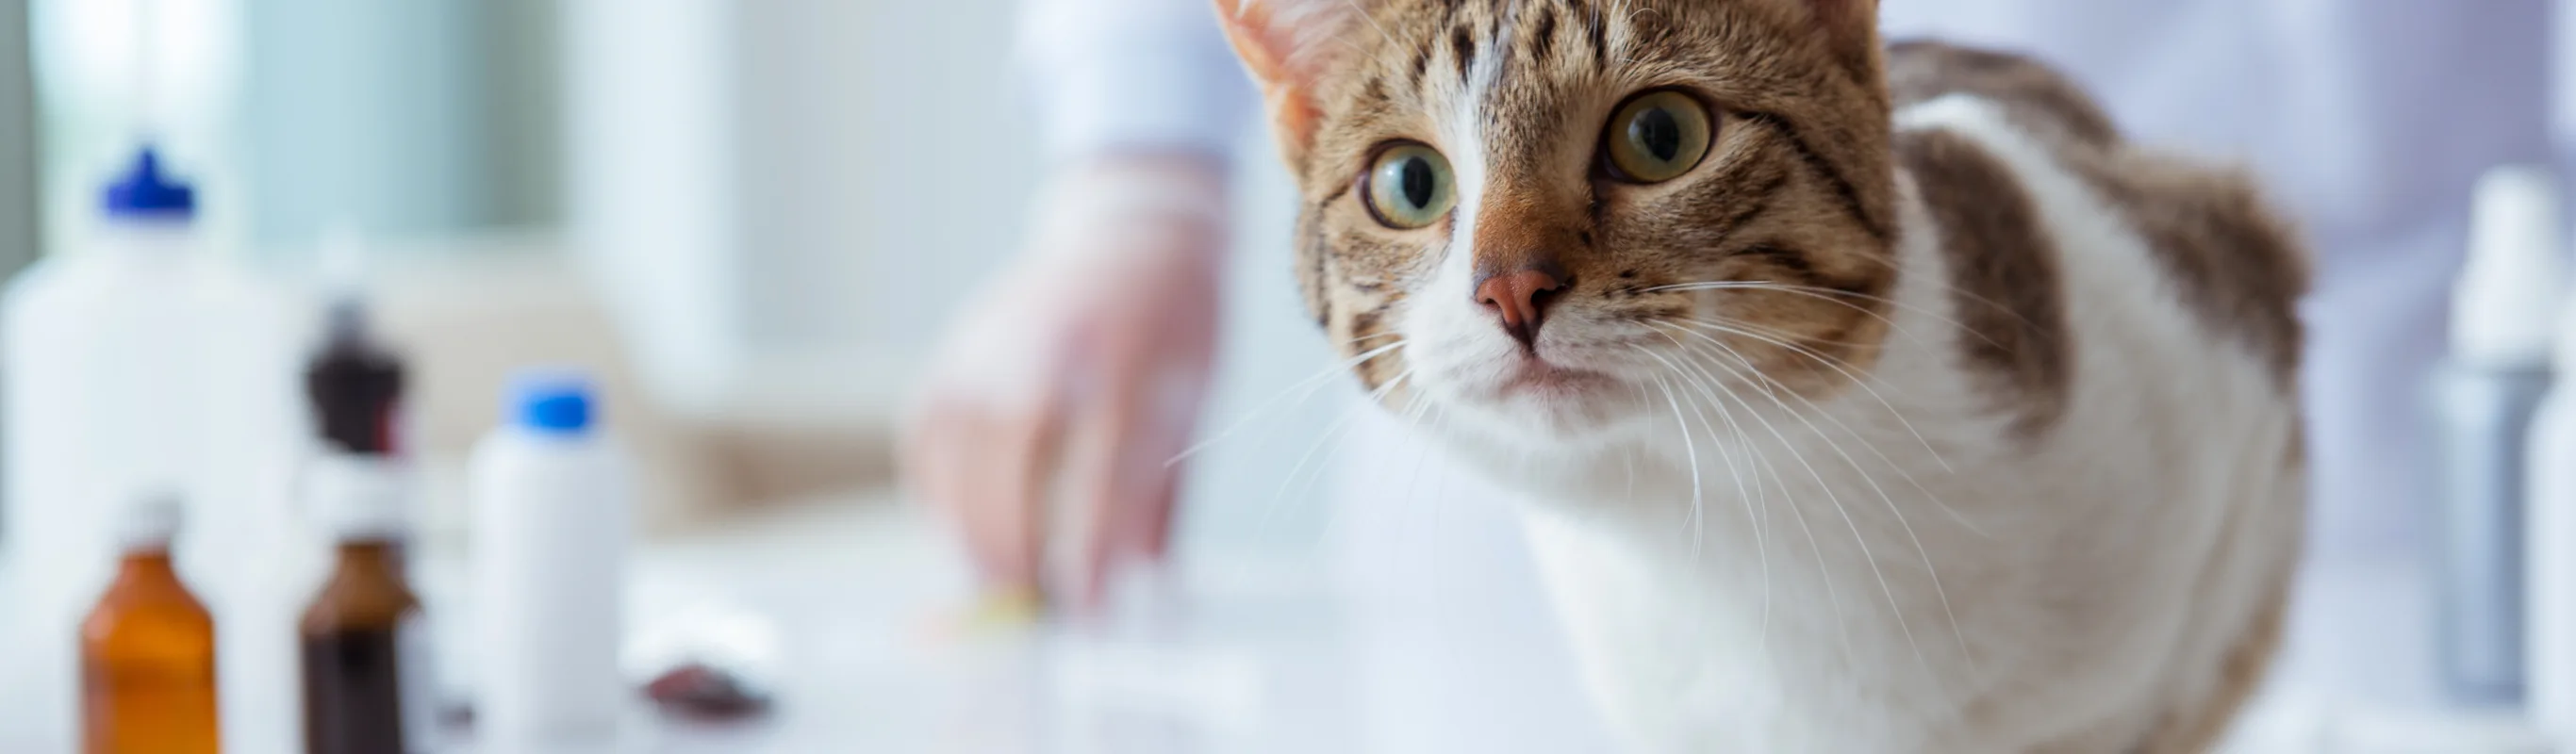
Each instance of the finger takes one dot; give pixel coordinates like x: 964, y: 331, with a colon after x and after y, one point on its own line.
x: 1154, y: 534
x: 1147, y: 420
x: 1017, y: 466
x: 986, y: 463
x: 1145, y: 423
x: 1145, y: 528
x: 930, y: 458
x: 1103, y: 491
x: 974, y: 502
x: 1181, y: 392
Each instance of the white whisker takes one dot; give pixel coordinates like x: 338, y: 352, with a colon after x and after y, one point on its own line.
x: 1689, y: 447
x: 1833, y: 296
x: 1856, y: 379
x: 1833, y: 594
x: 1761, y: 543
x: 1896, y: 608
x: 1310, y: 384
x: 1767, y: 385
x: 1270, y: 513
x: 1889, y: 500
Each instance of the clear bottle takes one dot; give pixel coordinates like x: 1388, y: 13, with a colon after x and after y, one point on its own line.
x: 550, y: 524
x: 147, y: 651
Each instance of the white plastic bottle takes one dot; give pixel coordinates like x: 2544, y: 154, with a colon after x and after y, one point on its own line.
x: 2484, y: 399
x: 2550, y: 548
x: 137, y: 363
x: 550, y: 524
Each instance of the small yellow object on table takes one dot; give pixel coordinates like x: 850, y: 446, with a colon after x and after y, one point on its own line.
x: 995, y: 613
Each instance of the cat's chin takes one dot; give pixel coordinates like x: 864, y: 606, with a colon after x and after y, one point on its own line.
x: 1539, y: 404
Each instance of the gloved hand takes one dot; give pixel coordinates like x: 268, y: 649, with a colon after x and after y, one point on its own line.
x: 1068, y: 383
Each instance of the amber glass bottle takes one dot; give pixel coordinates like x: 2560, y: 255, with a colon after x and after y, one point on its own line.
x: 148, y: 652
x: 359, y: 645
x: 366, y: 683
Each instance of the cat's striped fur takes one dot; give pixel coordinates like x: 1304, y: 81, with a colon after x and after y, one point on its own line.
x: 1926, y: 413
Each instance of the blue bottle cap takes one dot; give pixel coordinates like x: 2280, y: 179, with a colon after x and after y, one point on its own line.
x: 551, y: 401
x: 143, y: 192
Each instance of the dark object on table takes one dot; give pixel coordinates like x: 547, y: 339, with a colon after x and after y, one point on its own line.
x: 702, y: 692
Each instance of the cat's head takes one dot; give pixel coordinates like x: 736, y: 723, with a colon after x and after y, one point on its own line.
x: 1561, y: 209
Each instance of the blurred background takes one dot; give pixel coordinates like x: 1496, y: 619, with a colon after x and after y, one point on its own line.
x: 752, y: 219
x: 756, y: 218
x: 748, y: 220
x: 736, y: 210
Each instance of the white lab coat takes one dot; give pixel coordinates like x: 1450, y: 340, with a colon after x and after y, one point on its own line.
x: 2370, y: 119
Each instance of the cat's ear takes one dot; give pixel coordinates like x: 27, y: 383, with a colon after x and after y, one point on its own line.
x: 1288, y: 44
x: 1852, y: 24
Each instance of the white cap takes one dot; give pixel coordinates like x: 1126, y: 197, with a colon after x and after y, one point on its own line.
x: 358, y: 497
x: 2504, y: 307
x: 149, y: 521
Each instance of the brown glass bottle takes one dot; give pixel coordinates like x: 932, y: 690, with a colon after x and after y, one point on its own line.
x: 358, y: 649
x: 148, y: 654
x: 366, y: 684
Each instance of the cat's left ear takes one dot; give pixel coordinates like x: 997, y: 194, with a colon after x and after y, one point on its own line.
x: 1288, y: 44
x: 1851, y: 24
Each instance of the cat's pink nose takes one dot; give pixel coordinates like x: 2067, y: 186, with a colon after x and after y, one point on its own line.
x: 1520, y: 298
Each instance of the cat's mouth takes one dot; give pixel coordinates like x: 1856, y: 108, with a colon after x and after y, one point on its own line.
x: 1536, y: 378
x: 1533, y: 391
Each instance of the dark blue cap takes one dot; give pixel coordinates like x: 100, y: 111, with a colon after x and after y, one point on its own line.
x: 146, y: 193
x: 551, y: 401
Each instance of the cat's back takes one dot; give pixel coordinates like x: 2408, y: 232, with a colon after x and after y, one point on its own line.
x: 2235, y: 265
x: 2137, y: 310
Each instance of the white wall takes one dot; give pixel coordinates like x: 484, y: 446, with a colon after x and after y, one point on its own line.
x: 650, y: 177
x: 789, y: 181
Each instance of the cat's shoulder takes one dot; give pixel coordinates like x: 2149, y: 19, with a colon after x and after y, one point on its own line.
x: 2231, y: 255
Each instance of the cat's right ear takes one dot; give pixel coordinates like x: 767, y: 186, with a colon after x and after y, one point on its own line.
x: 1288, y: 44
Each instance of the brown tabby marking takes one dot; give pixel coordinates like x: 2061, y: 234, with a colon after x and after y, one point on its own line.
x: 2036, y: 97
x: 2235, y: 263
x: 2003, y: 276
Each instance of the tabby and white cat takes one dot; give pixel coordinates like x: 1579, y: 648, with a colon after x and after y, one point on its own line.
x: 1876, y: 399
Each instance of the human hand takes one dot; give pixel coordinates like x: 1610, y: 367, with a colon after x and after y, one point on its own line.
x: 1064, y: 388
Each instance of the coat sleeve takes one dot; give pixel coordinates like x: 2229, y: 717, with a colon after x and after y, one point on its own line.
x: 1110, y: 76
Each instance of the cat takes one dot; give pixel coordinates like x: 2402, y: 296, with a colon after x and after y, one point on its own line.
x: 1869, y: 398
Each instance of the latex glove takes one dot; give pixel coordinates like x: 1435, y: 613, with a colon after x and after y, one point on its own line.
x: 1068, y: 383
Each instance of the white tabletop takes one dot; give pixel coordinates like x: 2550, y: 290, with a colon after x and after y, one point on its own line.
x: 1253, y: 652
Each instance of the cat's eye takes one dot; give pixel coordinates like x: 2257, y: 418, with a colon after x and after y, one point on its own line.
x: 1657, y: 137
x: 1410, y: 186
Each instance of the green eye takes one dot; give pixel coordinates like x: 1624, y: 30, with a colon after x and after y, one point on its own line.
x: 1410, y: 187
x: 1657, y: 137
